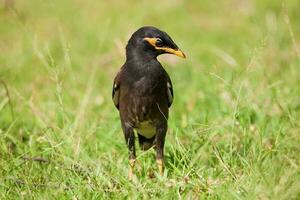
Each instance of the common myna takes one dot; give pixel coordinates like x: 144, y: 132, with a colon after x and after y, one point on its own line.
x: 142, y: 92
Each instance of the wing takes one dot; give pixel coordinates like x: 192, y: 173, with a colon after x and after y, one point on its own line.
x: 169, y: 92
x: 116, y: 90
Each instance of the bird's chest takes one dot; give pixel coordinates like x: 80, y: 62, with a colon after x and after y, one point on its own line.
x: 145, y: 85
x: 143, y: 92
x: 146, y: 93
x: 148, y: 84
x: 144, y: 79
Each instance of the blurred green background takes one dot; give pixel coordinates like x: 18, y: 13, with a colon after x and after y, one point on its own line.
x: 233, y: 128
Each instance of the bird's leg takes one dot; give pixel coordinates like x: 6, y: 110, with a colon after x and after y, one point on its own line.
x: 160, y: 141
x: 160, y: 165
x: 131, y: 148
x: 129, y: 138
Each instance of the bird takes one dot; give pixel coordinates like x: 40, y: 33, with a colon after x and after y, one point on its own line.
x: 143, y: 93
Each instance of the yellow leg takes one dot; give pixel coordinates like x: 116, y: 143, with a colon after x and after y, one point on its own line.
x: 160, y: 165
x: 131, y: 170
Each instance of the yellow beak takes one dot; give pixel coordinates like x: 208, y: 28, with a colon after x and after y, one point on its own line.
x: 176, y: 52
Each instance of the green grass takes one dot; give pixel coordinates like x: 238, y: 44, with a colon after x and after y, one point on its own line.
x: 234, y: 126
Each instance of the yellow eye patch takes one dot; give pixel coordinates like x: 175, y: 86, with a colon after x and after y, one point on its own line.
x: 151, y: 41
x: 177, y: 52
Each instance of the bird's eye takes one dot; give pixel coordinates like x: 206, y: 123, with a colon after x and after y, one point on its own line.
x: 159, y: 42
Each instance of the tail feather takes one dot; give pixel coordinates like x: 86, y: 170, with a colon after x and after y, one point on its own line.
x: 146, y: 143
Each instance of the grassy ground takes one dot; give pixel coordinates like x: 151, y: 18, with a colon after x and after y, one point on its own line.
x: 234, y: 125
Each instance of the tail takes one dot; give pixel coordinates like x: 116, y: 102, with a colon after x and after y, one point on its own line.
x: 146, y: 143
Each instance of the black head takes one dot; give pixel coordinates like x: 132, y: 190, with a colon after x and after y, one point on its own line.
x: 149, y: 42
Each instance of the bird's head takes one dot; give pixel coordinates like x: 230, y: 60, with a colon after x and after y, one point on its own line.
x: 150, y: 42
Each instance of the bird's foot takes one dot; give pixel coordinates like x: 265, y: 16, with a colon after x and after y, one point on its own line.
x: 138, y: 166
x: 131, y: 170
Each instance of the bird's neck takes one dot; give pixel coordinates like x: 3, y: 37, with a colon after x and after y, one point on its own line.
x: 143, y: 65
x: 138, y: 54
x: 141, y: 61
